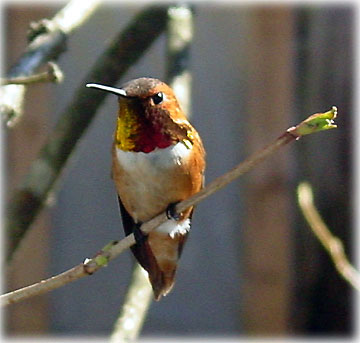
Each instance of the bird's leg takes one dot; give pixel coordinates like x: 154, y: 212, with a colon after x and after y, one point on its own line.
x: 139, y: 236
x: 171, y: 212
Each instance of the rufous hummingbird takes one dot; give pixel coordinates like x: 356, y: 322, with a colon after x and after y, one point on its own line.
x: 158, y: 159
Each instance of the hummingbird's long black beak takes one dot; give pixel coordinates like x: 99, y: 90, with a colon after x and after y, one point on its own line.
x: 116, y: 91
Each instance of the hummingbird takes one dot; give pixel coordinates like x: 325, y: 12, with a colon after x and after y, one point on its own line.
x: 158, y: 160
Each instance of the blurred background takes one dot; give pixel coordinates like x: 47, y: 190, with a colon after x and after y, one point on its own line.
x: 251, y: 266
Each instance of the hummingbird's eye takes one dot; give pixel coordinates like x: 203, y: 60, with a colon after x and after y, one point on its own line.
x: 158, y: 98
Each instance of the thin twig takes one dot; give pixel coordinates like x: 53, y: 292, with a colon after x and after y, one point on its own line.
x: 123, y: 52
x: 112, y: 250
x: 89, y: 267
x: 46, y: 45
x: 331, y: 243
x: 52, y: 74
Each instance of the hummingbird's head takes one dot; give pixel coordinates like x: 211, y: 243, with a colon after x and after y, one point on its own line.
x: 148, y: 115
x: 148, y: 92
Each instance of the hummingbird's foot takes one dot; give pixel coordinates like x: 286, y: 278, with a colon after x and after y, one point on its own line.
x: 171, y: 212
x: 140, y: 237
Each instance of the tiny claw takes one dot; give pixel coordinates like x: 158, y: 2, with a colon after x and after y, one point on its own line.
x: 171, y: 212
x: 140, y: 237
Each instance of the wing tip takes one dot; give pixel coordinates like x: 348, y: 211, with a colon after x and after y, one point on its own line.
x: 163, y: 287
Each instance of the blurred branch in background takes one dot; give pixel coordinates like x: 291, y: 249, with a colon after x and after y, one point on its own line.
x: 179, y: 33
x: 47, y: 41
x: 315, y: 123
x: 331, y: 243
x: 52, y: 74
x: 122, y: 53
x: 136, y: 304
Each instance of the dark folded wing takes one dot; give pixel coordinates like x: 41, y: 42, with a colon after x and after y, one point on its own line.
x: 142, y: 252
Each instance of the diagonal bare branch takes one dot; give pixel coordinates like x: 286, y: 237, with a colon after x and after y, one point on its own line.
x: 112, y: 250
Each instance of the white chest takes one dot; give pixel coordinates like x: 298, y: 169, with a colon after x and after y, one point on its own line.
x: 155, y: 161
x: 149, y: 184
